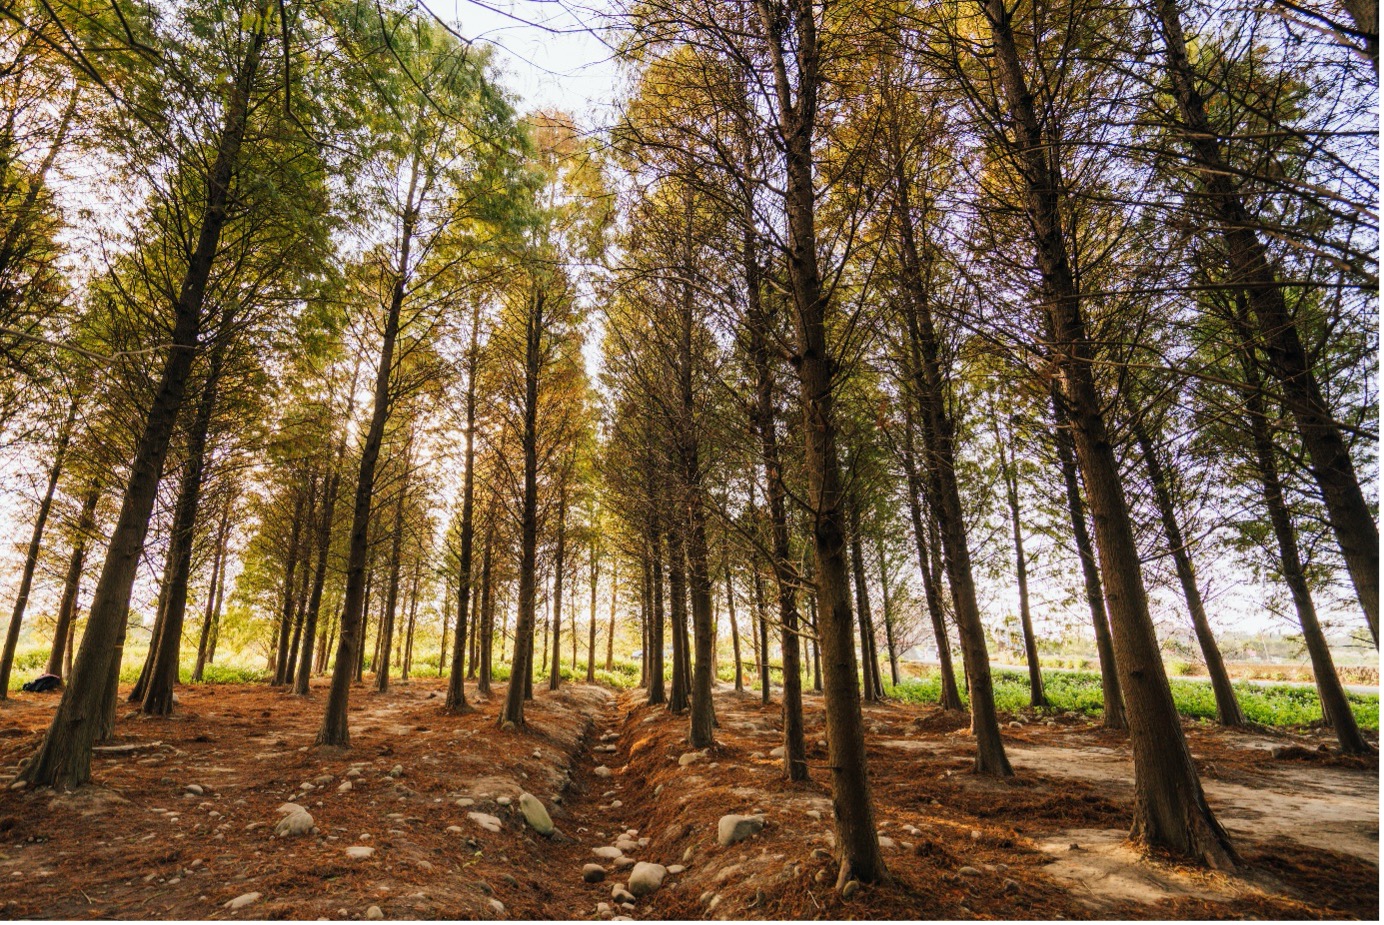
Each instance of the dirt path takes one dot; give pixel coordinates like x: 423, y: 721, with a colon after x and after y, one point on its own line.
x: 428, y: 805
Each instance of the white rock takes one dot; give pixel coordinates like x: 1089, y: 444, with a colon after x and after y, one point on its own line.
x: 777, y: 752
x: 497, y: 907
x: 296, y: 821
x: 646, y: 877
x: 242, y: 901
x: 359, y: 852
x: 195, y: 789
x: 345, y: 787
x: 689, y: 757
x: 676, y: 868
x: 732, y: 828
x: 601, y: 771
x: 534, y: 813
x: 486, y: 821
x: 607, y: 852
x: 374, y: 912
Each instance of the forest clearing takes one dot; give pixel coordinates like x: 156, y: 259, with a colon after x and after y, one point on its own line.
x: 689, y: 459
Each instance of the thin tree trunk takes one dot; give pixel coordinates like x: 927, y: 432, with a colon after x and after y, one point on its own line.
x: 521, y: 666
x: 950, y: 697
x: 886, y: 601
x: 290, y: 569
x: 210, y: 614
x: 1251, y: 269
x: 1009, y: 470
x: 35, y: 542
x: 734, y: 631
x: 610, y: 633
x: 559, y: 568
x: 456, y: 683
x: 654, y: 645
x: 1227, y: 707
x: 391, y: 600
x: 487, y: 627
x: 677, y: 610
x: 335, y: 730
x: 1113, y: 700
x: 163, y: 675
x: 60, y: 658
x: 591, y: 630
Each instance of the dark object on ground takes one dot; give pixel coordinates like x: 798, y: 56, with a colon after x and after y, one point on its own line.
x: 43, y: 683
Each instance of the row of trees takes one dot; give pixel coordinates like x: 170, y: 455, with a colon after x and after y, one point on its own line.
x: 897, y: 305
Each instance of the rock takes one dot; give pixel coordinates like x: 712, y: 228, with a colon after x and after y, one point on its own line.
x: 593, y: 873
x: 296, y: 821
x: 688, y: 758
x: 453, y: 830
x: 196, y: 790
x: 850, y: 889
x: 647, y: 877
x: 676, y: 869
x: 706, y: 897
x: 732, y: 828
x: 504, y: 801
x: 687, y: 854
x: 497, y: 907
x: 814, y: 814
x: 241, y: 901
x: 353, y: 772
x: 886, y: 842
x: 621, y: 895
x: 465, y: 802
x: 607, y: 852
x: 821, y: 854
x: 345, y: 787
x: 610, y: 737
x: 508, y: 726
x: 374, y: 912
x: 486, y: 821
x: 535, y: 815
x: 397, y: 771
x: 359, y: 852
x: 777, y: 752
x: 968, y: 871
x: 1010, y: 886
x: 626, y: 844
x: 601, y: 771
x: 624, y: 863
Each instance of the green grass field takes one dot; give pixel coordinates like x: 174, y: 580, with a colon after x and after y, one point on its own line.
x: 1080, y: 691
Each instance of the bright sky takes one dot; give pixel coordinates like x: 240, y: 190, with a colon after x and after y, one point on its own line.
x: 551, y: 50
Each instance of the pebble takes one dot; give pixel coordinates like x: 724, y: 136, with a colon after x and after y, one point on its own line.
x: 374, y: 912
x: 345, y: 787
x: 504, y: 801
x: 850, y: 889
x: 821, y: 854
x: 497, y: 907
x: 242, y: 900
x: 886, y: 842
x: 777, y: 752
x: 486, y: 821
x: 1010, y: 886
x: 397, y: 771
x: 295, y: 821
x: 689, y: 757
x: 454, y: 829
x: 607, y: 852
x: 968, y: 871
x: 195, y: 789
x: 359, y: 852
x: 814, y: 814
x: 354, y: 772
x: 465, y: 802
x: 593, y: 873
x: 676, y: 869
x: 624, y: 863
x: 601, y: 771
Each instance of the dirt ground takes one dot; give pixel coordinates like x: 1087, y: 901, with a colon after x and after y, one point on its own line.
x: 1050, y: 843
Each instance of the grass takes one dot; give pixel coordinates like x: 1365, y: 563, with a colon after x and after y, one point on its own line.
x: 1080, y: 691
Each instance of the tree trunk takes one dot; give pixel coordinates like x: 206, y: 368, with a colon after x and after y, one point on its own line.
x: 559, y: 570
x: 1113, y: 700
x: 391, y: 599
x: 1170, y: 808
x: 950, y: 697
x: 163, y: 674
x: 1227, y: 707
x: 211, y: 613
x: 862, y: 609
x: 886, y: 601
x: 944, y: 496
x: 1009, y: 469
x: 1251, y: 269
x: 614, y: 596
x: 285, y: 625
x: 64, y: 759
x: 796, y: 87
x: 456, y: 682
x: 734, y: 632
x: 521, y: 665
x: 677, y: 611
x: 1335, y: 705
x: 591, y: 630
x: 59, y: 659
x: 487, y: 627
x: 654, y: 645
x: 350, y: 647
x: 35, y: 542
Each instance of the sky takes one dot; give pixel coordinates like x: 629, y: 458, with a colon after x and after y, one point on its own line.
x: 550, y: 50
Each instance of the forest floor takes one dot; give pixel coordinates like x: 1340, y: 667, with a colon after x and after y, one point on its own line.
x: 1049, y: 843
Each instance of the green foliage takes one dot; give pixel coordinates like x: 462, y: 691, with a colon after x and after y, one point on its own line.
x: 1079, y: 691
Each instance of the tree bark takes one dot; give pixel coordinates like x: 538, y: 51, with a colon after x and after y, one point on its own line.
x: 391, y: 598
x: 559, y: 572
x: 487, y: 627
x: 734, y: 632
x: 456, y: 682
x: 1009, y: 469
